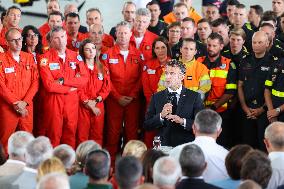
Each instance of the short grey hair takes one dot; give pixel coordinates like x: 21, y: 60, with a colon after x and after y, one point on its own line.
x: 54, y: 181
x: 207, y: 121
x: 128, y: 3
x: 166, y: 171
x: 54, y: 30
x: 275, y: 134
x: 192, y: 161
x: 124, y: 23
x: 66, y: 154
x: 143, y: 12
x: 18, y: 142
x: 38, y: 150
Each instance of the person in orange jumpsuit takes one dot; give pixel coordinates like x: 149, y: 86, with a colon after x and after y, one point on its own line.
x: 62, y: 72
x: 74, y: 37
x: 152, y: 71
x: 143, y: 39
x: 123, y: 104
x: 91, y: 111
x: 54, y: 19
x: 94, y: 16
x: 180, y: 11
x: 12, y: 20
x: 18, y: 85
x: 96, y: 34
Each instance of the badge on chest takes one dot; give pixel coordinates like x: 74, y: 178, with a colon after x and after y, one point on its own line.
x: 9, y: 70
x: 72, y: 65
x: 54, y: 66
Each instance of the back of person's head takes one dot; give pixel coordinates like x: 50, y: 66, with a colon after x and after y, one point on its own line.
x: 148, y: 160
x: 192, y: 161
x: 274, y: 136
x: 98, y: 165
x: 166, y: 172
x: 66, y: 154
x: 81, y: 153
x: 256, y: 166
x: 37, y: 151
x: 128, y: 172
x: 249, y: 184
x: 146, y: 186
x: 134, y: 148
x: 207, y: 122
x: 54, y: 181
x: 51, y: 165
x: 17, y: 144
x: 234, y: 160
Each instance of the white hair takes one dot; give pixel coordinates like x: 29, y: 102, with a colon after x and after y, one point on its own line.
x: 66, y: 154
x: 166, y: 171
x: 54, y: 181
x: 18, y: 142
x: 38, y: 150
x: 143, y: 12
x: 274, y: 133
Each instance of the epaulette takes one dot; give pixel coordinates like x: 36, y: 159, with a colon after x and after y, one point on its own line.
x: 248, y: 26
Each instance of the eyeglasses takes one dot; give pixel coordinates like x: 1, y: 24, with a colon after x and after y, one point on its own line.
x: 98, y: 33
x: 32, y: 35
x: 16, y: 40
x: 174, y: 31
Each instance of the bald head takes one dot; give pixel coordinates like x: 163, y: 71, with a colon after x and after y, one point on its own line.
x: 269, y: 30
x: 274, y: 137
x: 96, y: 33
x: 260, y: 43
x: 70, y: 8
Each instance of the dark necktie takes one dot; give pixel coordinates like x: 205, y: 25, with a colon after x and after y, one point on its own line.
x: 173, y: 101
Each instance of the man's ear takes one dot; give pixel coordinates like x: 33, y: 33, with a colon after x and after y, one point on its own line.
x: 267, y: 144
x: 219, y: 132
x: 193, y: 129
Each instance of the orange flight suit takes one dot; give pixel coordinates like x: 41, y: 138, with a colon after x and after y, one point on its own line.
x: 60, y: 104
x: 74, y: 45
x: 192, y: 13
x: 18, y: 82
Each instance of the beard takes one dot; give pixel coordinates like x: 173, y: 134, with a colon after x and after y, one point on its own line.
x: 212, y: 54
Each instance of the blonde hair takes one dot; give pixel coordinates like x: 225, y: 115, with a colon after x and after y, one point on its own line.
x: 134, y: 148
x: 51, y: 165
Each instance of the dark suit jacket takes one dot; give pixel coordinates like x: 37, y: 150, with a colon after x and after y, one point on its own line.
x: 194, y: 183
x: 172, y: 134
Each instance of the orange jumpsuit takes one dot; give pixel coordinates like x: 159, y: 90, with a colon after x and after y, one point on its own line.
x: 170, y: 18
x: 90, y: 126
x: 125, y: 81
x: 146, y: 44
x: 152, y: 72
x: 43, y: 30
x: 74, y: 45
x: 60, y: 104
x: 108, y: 40
x: 18, y: 82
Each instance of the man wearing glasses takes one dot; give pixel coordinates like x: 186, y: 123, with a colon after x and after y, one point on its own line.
x: 18, y: 85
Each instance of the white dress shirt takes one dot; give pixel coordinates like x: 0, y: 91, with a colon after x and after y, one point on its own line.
x: 277, y: 164
x: 214, y: 156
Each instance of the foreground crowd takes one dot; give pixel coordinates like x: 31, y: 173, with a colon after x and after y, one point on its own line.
x: 202, y: 163
x: 149, y: 78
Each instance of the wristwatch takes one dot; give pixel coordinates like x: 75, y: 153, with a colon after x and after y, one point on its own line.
x: 278, y: 110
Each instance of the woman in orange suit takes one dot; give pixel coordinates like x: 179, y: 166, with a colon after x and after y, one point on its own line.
x: 151, y: 77
x: 91, y: 110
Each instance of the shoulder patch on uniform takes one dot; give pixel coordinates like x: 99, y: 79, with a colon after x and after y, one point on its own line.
x: 79, y: 57
x: 275, y: 58
x: 104, y: 56
x: 142, y: 57
x: 43, y: 62
x: 144, y: 68
x: 223, y: 66
x: 233, y: 65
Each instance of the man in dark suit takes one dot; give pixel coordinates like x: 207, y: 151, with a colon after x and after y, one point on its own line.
x: 172, y: 110
x: 192, y: 161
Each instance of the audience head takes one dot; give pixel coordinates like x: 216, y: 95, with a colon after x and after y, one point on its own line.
x: 274, y: 137
x: 128, y: 172
x: 174, y: 74
x: 240, y: 16
x: 237, y: 40
x: 203, y: 30
x: 155, y: 10
x: 96, y: 33
x: 134, y: 148
x: 207, y: 122
x: 212, y: 12
x: 249, y: 184
x: 278, y: 7
x: 255, y: 14
x: 17, y: 144
x: 51, y: 165
x: 13, y: 16
x: 260, y: 43
x: 66, y: 154
x: 93, y: 16
x: 174, y: 32
x: 123, y: 33
x: 192, y: 161
x: 54, y: 181
x: 55, y: 19
x: 220, y: 26
x: 58, y: 38
x: 97, y: 165
x: 52, y: 5
x: 180, y: 11
x: 148, y: 160
x: 256, y: 166
x: 188, y: 49
x: 14, y: 40
x: 81, y: 153
x: 141, y: 21
x: 166, y: 172
x: 70, y: 8
x: 72, y: 22
x: 234, y: 160
x: 188, y: 28
x: 37, y: 151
